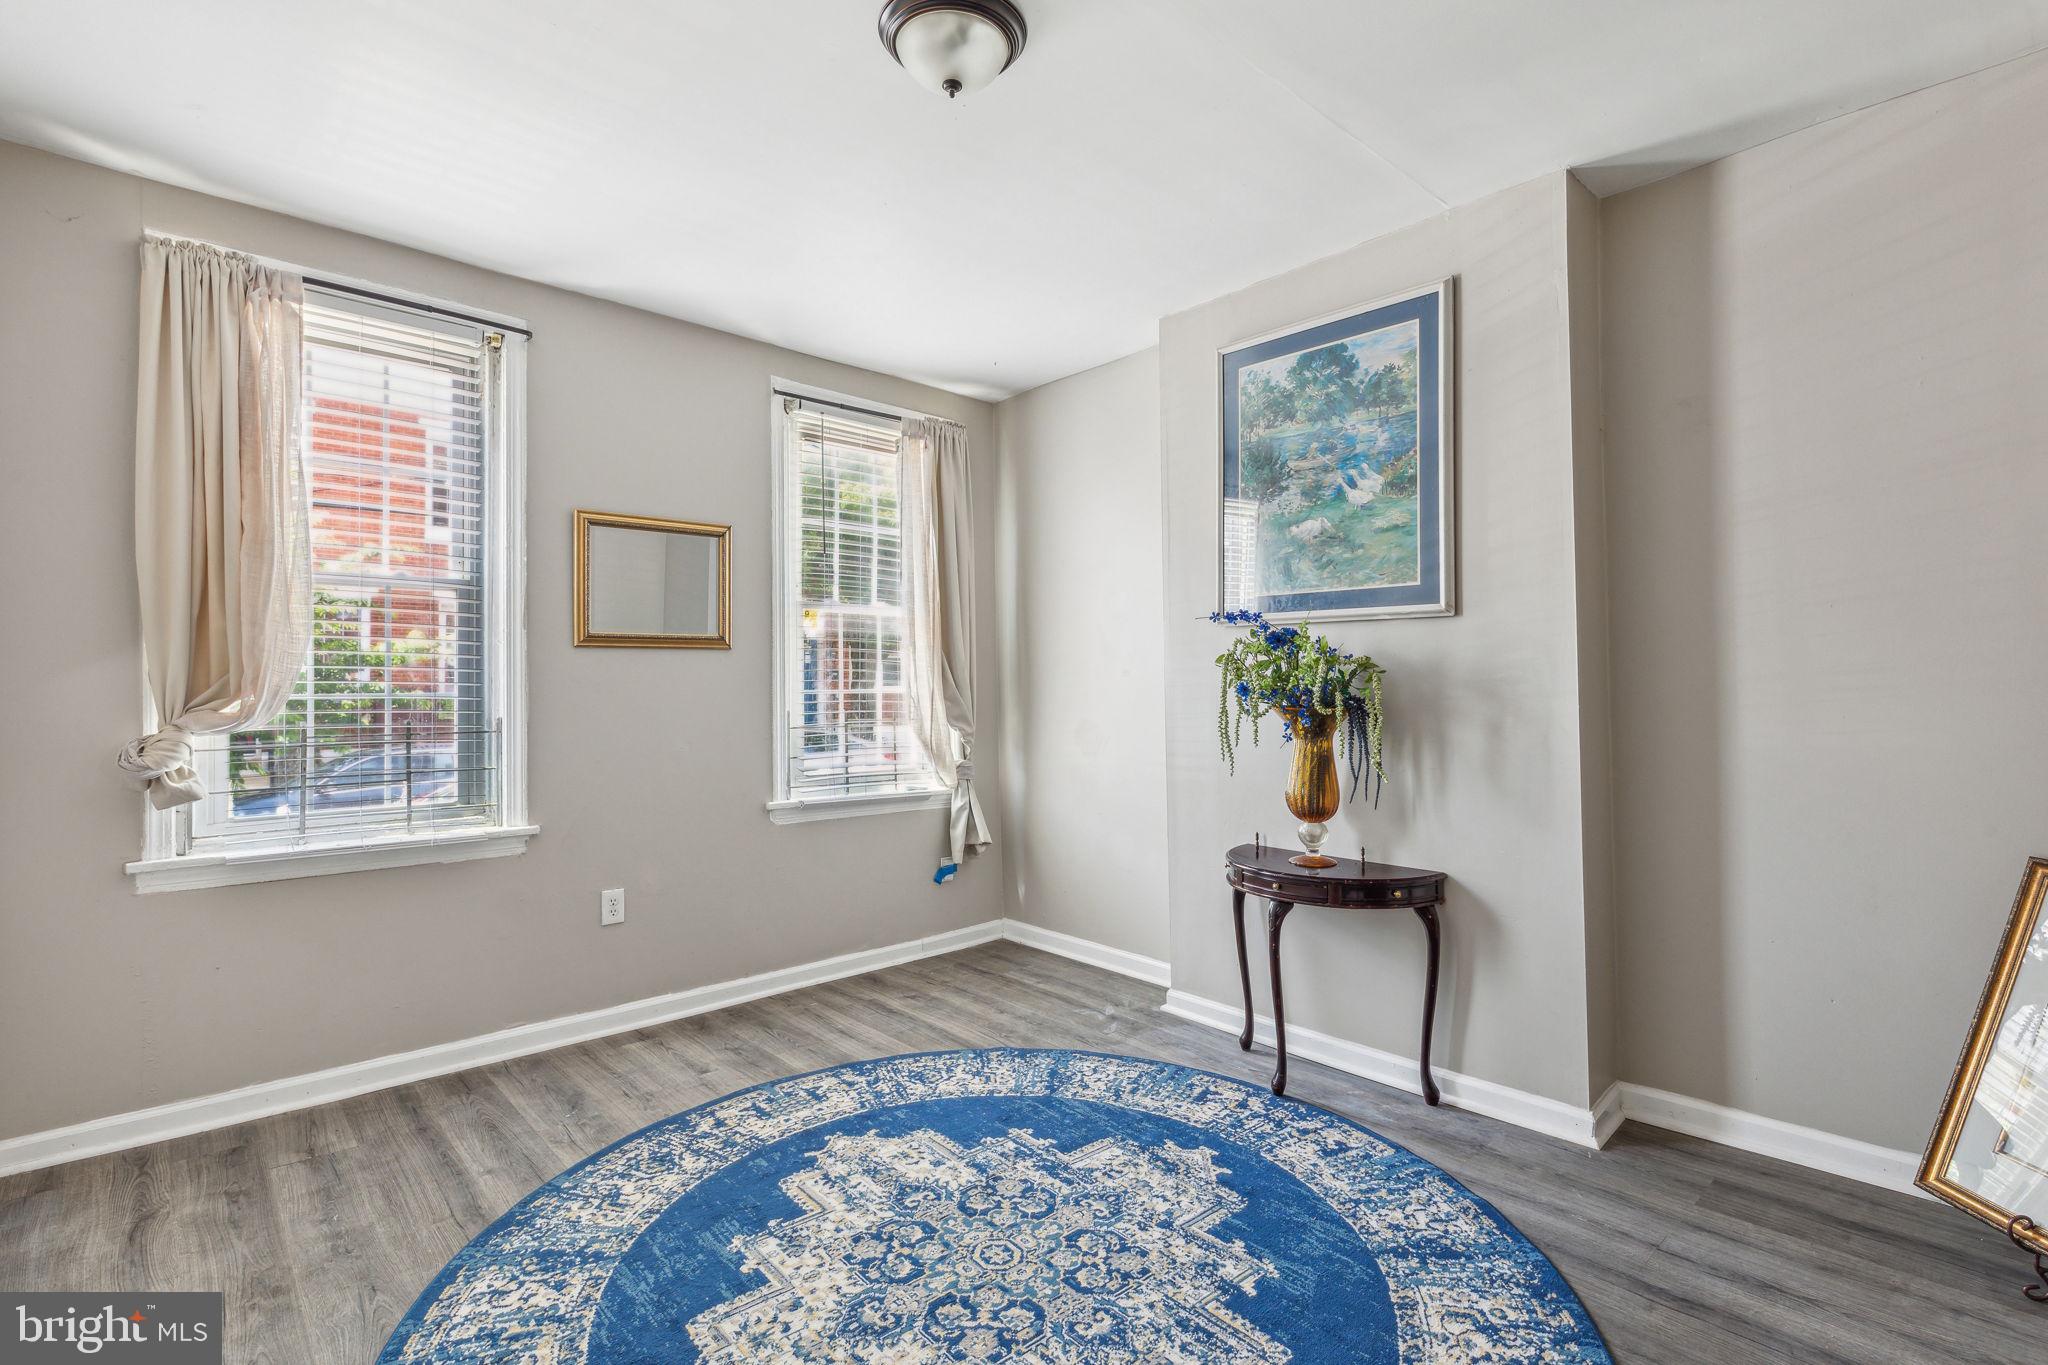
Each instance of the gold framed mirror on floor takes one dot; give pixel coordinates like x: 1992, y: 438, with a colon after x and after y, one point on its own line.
x: 1989, y: 1152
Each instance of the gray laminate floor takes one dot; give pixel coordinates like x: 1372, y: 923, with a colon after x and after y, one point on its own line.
x: 322, y: 1225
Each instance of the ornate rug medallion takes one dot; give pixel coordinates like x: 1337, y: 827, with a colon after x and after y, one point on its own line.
x: 1102, y: 1253
x: 999, y: 1205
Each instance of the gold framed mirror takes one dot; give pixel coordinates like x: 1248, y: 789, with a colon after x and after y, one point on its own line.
x: 652, y: 582
x: 1989, y: 1152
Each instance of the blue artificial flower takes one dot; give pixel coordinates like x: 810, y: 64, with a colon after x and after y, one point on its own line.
x: 1244, y: 690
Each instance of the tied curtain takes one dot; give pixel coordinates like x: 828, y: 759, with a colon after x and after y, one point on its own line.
x: 221, y: 523
x: 938, y: 522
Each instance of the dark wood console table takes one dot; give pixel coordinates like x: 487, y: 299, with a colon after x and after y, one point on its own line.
x: 1259, y: 870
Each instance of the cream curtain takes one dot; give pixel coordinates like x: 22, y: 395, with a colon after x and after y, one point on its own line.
x: 938, y: 526
x: 221, y: 549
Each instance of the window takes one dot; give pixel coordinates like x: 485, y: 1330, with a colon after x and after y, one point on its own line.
x: 1240, y: 553
x: 398, y: 735
x: 844, y: 742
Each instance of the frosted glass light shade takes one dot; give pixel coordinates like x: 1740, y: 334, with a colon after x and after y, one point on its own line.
x: 953, y: 49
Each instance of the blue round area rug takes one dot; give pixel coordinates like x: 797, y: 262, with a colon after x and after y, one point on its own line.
x: 999, y: 1205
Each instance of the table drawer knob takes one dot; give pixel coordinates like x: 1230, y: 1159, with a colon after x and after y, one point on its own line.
x: 1399, y: 894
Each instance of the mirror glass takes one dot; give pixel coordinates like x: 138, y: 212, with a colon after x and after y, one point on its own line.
x: 652, y: 583
x: 2002, y: 1154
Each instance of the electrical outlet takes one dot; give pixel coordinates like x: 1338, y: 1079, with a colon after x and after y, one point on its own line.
x: 611, y: 906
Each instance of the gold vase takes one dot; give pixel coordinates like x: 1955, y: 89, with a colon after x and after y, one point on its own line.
x: 1313, y: 792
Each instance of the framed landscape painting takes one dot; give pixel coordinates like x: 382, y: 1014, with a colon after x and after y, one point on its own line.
x: 1337, y: 481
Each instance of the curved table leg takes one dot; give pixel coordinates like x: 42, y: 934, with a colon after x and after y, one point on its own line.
x: 1427, y: 914
x: 1276, y: 915
x: 1244, y: 967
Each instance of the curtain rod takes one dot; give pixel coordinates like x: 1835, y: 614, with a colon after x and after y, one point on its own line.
x: 337, y: 287
x: 343, y: 287
x: 865, y: 412
x: 835, y: 403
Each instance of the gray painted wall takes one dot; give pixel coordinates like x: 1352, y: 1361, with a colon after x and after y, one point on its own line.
x: 649, y: 768
x: 1484, y: 708
x: 1079, y: 552
x: 1827, y: 398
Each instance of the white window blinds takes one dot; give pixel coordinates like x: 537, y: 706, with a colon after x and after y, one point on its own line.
x: 390, y: 729
x: 1240, y: 553
x: 847, y: 731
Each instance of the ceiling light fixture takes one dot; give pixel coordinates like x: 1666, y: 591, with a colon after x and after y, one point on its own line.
x: 953, y: 46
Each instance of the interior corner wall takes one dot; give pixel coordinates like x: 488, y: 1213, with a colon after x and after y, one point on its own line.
x: 1484, y: 708
x: 1595, y: 671
x: 649, y: 768
x: 1083, y: 656
x: 1826, y: 373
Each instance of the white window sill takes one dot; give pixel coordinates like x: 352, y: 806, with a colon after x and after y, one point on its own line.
x: 800, y: 810
x: 233, y: 867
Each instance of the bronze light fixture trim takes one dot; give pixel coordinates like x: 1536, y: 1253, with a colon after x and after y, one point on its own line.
x: 953, y: 47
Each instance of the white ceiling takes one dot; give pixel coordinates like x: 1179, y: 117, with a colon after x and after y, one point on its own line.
x: 764, y: 168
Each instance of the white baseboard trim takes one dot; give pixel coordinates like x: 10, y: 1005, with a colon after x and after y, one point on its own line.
x: 1535, y: 1112
x: 1809, y: 1147
x: 181, y: 1118
x: 1607, y: 1114
x: 1149, y: 969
